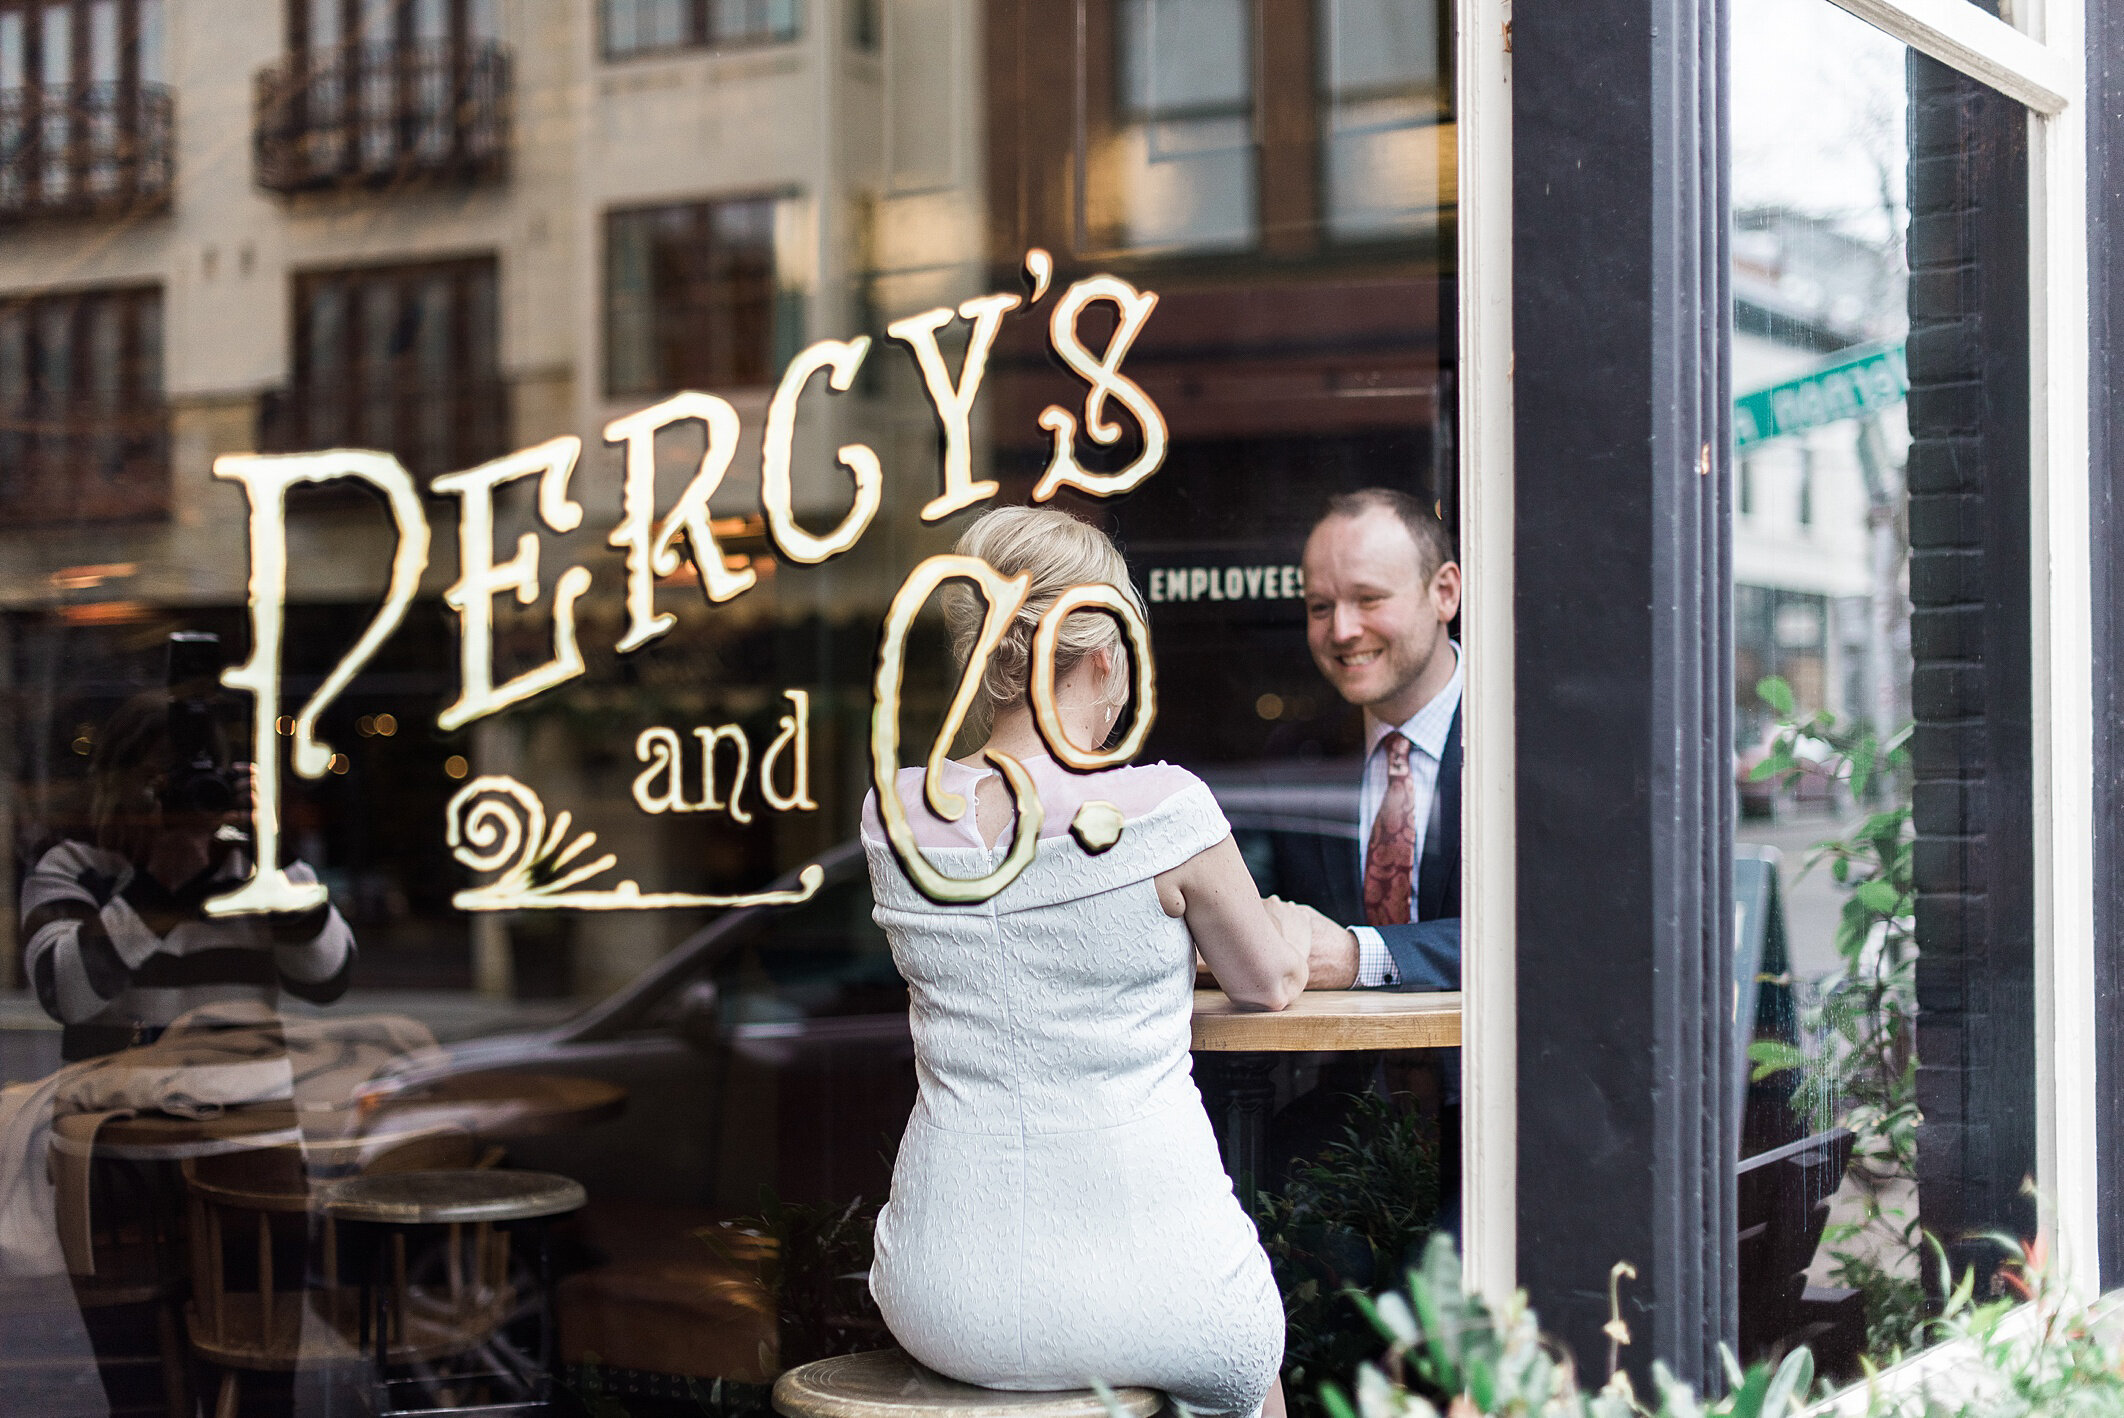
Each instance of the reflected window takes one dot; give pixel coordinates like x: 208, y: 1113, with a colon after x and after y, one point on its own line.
x: 84, y: 430
x: 1185, y: 144
x: 80, y: 106
x: 648, y: 26
x: 1386, y: 120
x: 373, y: 91
x: 402, y: 358
x: 693, y: 298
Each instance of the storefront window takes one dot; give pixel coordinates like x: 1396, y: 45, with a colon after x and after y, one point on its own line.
x: 527, y: 725
x: 1882, y: 634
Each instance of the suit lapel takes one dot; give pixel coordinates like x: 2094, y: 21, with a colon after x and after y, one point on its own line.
x: 1438, y: 875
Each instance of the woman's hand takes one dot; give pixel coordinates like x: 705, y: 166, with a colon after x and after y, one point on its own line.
x: 1330, y: 950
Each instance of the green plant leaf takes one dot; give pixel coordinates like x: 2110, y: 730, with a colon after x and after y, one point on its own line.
x: 1773, y: 1056
x: 1777, y: 694
x: 1788, y: 1388
x: 1880, y: 897
x: 1400, y: 1321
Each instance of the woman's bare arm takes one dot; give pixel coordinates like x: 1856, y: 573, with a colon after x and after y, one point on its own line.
x: 1252, y: 957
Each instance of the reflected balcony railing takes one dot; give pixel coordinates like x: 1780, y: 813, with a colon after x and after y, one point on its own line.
x: 72, y: 465
x: 85, y: 150
x: 379, y: 114
x: 432, y: 428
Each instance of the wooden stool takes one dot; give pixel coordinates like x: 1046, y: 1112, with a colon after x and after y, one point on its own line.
x: 885, y: 1383
x: 475, y: 1205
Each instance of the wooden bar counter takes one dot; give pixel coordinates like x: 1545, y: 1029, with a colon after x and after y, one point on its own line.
x: 1326, y: 1021
x: 1238, y: 1050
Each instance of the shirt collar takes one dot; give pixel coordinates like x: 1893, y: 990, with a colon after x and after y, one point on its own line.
x: 1428, y: 728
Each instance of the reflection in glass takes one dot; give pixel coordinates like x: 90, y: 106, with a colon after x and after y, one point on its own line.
x: 729, y: 1086
x: 1388, y: 104
x: 1186, y: 154
x: 693, y: 296
x: 1882, y: 676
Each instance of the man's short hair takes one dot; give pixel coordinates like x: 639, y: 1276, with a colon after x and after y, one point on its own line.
x: 1434, y: 548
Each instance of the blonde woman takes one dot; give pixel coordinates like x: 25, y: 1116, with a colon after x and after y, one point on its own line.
x: 1058, y: 1209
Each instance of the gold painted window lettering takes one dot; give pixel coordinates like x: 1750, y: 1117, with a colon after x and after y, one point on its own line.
x: 1003, y: 595
x: 954, y: 404
x: 497, y: 824
x: 1097, y: 825
x: 840, y: 359
x: 795, y: 740
x: 480, y: 579
x: 1142, y: 682
x: 266, y: 479
x: 651, y: 545
x: 1103, y: 372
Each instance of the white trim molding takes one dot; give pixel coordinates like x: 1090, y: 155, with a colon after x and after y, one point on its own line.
x: 1489, y: 863
x: 1958, y: 34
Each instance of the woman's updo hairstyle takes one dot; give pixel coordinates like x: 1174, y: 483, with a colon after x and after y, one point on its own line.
x: 1059, y: 552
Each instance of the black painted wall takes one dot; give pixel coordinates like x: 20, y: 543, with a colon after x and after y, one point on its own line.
x: 1970, y: 643
x: 2105, y: 308
x: 1624, y: 740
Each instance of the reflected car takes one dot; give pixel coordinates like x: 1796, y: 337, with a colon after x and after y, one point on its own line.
x: 769, y: 1072
x: 771, y: 1048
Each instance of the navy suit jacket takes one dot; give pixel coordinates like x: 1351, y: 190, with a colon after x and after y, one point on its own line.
x: 1327, y: 873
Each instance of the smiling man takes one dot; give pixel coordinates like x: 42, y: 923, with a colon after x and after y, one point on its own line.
x: 1381, y: 587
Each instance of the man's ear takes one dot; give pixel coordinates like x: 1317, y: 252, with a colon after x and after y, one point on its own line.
x: 1445, y: 591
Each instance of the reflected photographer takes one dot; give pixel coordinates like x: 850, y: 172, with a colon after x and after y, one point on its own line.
x: 116, y: 940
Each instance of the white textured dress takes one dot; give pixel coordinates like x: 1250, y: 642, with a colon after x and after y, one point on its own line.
x: 1058, y: 1209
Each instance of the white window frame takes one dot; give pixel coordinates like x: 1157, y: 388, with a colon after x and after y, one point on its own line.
x: 2041, y: 65
x: 1489, y: 1008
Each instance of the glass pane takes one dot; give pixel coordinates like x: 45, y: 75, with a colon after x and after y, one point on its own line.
x: 56, y: 34
x: 570, y: 875
x: 1388, y: 135
x: 1186, y: 158
x: 633, y: 25
x: 323, y: 18
x: 1882, y: 614
x: 103, y: 42
x: 11, y: 50
x: 150, y: 22
x: 147, y: 350
x: 56, y: 70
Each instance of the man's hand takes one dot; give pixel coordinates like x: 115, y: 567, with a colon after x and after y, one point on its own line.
x: 1330, y: 950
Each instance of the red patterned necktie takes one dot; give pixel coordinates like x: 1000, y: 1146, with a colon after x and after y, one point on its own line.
x: 1390, y: 857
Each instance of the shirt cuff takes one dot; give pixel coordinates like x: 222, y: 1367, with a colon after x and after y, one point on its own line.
x: 1375, y: 963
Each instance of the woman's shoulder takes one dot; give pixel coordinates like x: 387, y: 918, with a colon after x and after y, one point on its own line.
x: 931, y: 830
x: 1140, y: 789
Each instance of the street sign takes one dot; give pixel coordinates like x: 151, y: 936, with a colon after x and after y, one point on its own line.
x: 1852, y: 384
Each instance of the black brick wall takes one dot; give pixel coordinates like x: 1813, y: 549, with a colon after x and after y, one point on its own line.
x: 1970, y: 642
